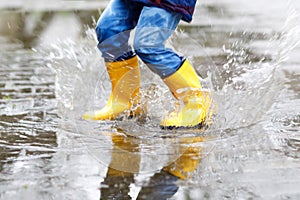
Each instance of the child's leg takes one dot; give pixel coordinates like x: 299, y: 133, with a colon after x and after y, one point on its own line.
x: 113, y: 30
x: 154, y: 27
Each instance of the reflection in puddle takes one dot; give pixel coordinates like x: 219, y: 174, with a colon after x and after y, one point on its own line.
x: 124, y: 165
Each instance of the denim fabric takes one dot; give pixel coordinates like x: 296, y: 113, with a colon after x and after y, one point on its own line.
x: 185, y: 7
x: 113, y: 29
x: 153, y: 27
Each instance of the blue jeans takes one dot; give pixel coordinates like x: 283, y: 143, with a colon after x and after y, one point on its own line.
x: 153, y: 27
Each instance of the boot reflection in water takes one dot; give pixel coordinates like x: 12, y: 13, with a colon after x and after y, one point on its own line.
x: 163, y: 184
x: 154, y: 23
x: 125, y: 165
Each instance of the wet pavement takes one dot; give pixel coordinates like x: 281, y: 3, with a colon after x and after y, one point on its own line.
x: 246, y: 53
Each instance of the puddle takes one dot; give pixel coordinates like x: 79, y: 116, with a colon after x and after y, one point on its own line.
x: 246, y: 54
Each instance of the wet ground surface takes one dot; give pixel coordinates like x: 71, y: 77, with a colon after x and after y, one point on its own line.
x: 247, y: 54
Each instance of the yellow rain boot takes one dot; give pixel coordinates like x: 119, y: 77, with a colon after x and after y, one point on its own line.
x: 125, y: 80
x: 186, y: 87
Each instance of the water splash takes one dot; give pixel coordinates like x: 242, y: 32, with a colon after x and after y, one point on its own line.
x: 245, y: 83
x: 253, y: 82
x: 77, y: 67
